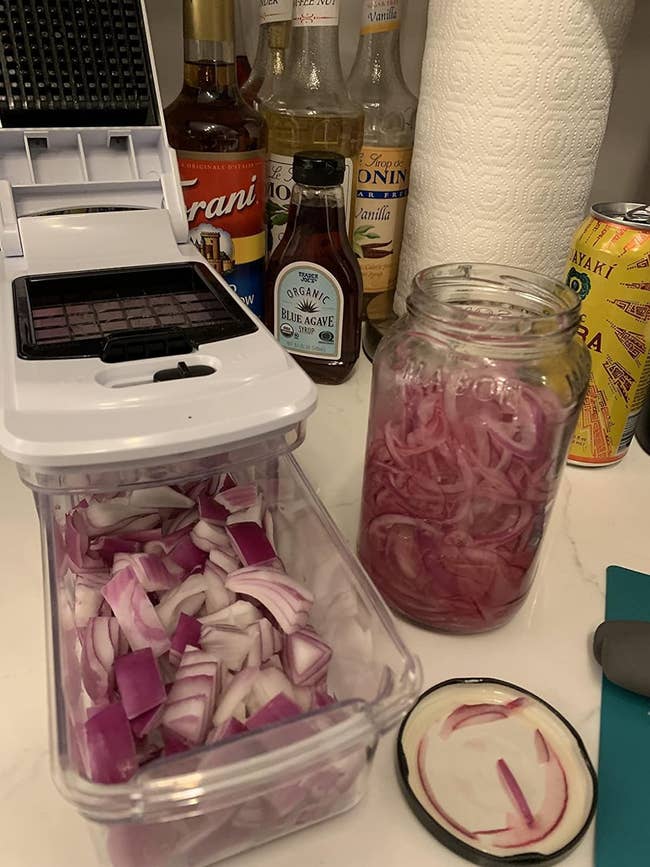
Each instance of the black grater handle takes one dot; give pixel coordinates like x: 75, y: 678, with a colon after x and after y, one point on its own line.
x: 142, y: 343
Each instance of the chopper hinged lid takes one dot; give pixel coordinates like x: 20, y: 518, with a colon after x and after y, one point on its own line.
x: 81, y: 124
x: 122, y: 347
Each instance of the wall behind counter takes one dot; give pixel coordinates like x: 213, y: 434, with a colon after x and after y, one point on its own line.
x: 624, y: 165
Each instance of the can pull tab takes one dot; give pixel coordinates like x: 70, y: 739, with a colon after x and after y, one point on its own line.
x: 640, y: 214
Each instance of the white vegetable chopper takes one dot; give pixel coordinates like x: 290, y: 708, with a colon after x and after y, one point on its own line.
x: 103, y: 290
x: 129, y: 363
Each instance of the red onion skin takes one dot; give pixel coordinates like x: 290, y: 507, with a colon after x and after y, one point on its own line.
x: 514, y: 790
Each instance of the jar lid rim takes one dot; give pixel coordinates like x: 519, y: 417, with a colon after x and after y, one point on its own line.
x: 542, y: 305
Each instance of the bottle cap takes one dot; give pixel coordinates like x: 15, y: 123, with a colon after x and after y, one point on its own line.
x: 318, y: 168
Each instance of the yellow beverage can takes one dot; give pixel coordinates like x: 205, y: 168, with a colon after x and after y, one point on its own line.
x: 609, y: 267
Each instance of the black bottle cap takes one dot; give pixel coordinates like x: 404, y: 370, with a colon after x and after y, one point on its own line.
x: 318, y: 168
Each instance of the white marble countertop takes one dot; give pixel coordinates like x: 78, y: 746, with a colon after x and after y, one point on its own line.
x: 600, y: 518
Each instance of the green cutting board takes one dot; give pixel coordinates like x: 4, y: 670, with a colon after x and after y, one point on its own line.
x: 623, y: 819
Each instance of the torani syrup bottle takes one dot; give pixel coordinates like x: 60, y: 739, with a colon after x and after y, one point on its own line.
x: 313, y: 282
x: 220, y: 143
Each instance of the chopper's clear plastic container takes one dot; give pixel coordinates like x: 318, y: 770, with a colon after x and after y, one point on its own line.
x: 195, y: 809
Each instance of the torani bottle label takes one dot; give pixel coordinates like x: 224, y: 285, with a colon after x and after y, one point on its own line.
x: 279, y: 184
x: 382, y: 191
x: 309, y: 311
x: 316, y: 13
x: 380, y: 16
x: 275, y: 10
x: 224, y: 196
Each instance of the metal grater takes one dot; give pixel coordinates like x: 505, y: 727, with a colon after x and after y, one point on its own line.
x: 120, y: 343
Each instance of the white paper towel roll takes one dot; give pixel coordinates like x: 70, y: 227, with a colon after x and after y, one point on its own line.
x: 513, y: 107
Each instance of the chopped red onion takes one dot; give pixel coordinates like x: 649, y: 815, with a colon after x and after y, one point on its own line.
x: 139, y: 682
x: 251, y: 515
x: 135, y: 613
x: 306, y: 657
x: 174, y: 744
x: 225, y: 559
x: 188, y: 631
x: 270, y: 639
x: 229, y: 643
x: 250, y: 543
x: 239, y: 613
x: 322, y: 699
x: 211, y: 511
x: 164, y: 545
x: 208, y: 536
x: 187, y: 718
x: 187, y: 598
x: 186, y: 555
x: 107, y: 547
x: 207, y: 650
x: 269, y: 528
x: 116, y: 517
x: 149, y: 569
x: 154, y: 499
x: 144, y: 724
x: 229, y: 729
x: 226, y: 482
x: 184, y: 520
x: 216, y: 596
x: 238, y: 498
x: 110, y: 744
x: 286, y: 600
x: 98, y: 652
x: 196, y: 656
x: 235, y: 694
x: 87, y: 603
x: 279, y: 709
x: 192, y: 685
x: 304, y: 697
x: 268, y: 683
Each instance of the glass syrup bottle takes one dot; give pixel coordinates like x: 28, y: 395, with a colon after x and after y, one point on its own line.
x: 377, y: 82
x: 241, y: 56
x: 313, y: 282
x: 220, y: 144
x: 311, y: 109
x: 272, y: 44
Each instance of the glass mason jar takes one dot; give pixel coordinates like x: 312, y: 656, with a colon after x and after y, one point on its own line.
x: 475, y: 395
